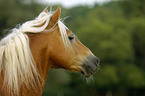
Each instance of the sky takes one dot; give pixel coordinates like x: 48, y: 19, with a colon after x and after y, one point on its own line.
x: 71, y: 3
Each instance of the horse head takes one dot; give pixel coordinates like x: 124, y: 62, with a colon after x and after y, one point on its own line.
x: 62, y: 49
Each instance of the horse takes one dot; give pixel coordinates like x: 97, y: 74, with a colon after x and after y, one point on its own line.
x: 30, y: 51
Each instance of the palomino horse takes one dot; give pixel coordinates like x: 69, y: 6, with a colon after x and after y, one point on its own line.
x: 30, y: 51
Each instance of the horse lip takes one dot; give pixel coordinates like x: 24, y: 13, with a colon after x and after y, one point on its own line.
x: 85, y: 74
x: 87, y: 71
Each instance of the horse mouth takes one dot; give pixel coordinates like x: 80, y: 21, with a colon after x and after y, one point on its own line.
x: 87, y: 72
x: 90, y: 66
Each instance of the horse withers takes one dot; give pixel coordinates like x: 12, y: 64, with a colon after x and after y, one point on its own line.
x: 30, y: 51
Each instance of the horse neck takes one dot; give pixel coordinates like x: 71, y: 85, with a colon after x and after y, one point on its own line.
x: 38, y: 45
x: 39, y: 51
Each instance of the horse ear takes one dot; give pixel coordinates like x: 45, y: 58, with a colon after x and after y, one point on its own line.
x: 45, y: 10
x: 55, y: 17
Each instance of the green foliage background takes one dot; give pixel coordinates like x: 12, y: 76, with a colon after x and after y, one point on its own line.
x: 114, y: 31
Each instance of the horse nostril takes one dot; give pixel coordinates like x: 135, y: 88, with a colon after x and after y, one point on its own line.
x: 97, y: 61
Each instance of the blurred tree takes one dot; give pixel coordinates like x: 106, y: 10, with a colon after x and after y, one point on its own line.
x: 132, y: 76
x: 138, y: 33
x: 13, y: 12
x: 133, y: 8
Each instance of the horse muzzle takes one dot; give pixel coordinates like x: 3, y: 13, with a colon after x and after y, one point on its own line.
x: 90, y: 66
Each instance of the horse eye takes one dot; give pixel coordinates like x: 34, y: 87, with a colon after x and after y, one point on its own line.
x: 71, y: 38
